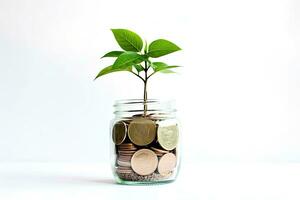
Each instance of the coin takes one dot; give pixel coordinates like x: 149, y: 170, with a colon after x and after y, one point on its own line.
x: 159, y: 150
x: 127, y: 147
x: 124, y: 157
x: 122, y: 152
x: 166, y: 164
x: 123, y: 169
x: 119, y: 132
x: 167, y: 136
x: 144, y: 162
x: 123, y: 163
x: 142, y: 131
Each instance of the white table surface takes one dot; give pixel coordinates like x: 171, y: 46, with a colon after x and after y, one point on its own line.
x: 196, y: 181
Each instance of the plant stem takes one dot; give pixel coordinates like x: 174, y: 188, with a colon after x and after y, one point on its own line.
x: 138, y: 76
x: 145, y: 89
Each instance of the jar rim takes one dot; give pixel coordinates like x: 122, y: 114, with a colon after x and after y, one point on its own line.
x: 141, y: 101
x: 154, y: 107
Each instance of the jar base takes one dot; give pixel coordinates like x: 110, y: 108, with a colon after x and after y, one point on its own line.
x: 129, y: 182
x: 135, y: 179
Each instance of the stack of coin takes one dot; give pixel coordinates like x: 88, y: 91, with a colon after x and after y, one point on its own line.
x: 146, y: 151
x: 127, y: 147
x: 124, y: 170
x: 125, y: 152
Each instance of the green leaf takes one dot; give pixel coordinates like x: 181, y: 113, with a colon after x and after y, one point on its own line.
x: 110, y: 69
x: 128, y: 40
x: 146, y: 47
x: 127, y: 59
x: 167, y: 71
x: 113, y: 54
x: 139, y: 67
x: 157, y: 65
x: 161, y: 47
x: 162, y: 67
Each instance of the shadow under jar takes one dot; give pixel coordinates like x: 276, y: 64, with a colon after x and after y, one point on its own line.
x: 144, y: 142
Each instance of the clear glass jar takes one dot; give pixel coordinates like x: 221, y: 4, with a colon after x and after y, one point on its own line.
x: 144, y: 142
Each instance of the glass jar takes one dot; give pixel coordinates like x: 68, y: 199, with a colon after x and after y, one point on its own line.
x: 144, y: 142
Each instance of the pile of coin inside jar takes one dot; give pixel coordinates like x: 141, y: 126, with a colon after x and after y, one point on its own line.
x: 145, y: 150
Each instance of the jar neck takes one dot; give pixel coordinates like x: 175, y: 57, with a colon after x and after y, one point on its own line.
x: 153, y: 108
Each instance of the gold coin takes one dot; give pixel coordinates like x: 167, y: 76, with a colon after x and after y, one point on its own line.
x: 166, y: 164
x: 119, y: 132
x: 142, y: 131
x: 167, y: 136
x: 144, y: 162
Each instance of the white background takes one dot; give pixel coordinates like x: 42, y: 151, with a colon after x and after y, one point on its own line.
x: 238, y: 94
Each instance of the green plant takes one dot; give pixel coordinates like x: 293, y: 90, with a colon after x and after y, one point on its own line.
x: 137, y: 55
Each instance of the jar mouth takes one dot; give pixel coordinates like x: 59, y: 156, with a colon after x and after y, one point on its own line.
x: 154, y: 107
x: 141, y: 101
